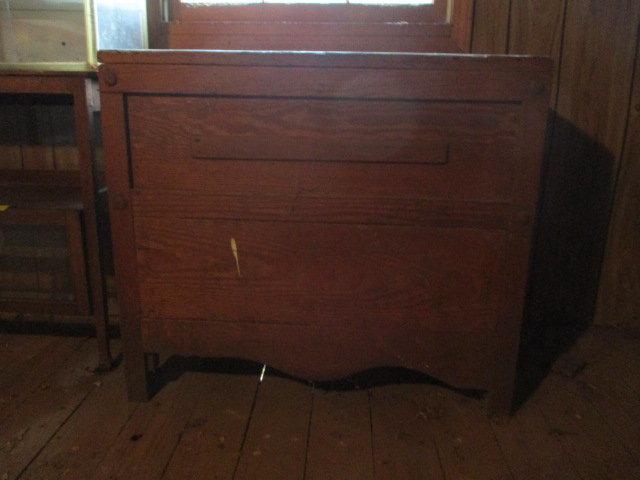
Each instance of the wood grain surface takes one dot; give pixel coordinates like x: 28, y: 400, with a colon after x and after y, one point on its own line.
x: 226, y: 420
x: 326, y: 214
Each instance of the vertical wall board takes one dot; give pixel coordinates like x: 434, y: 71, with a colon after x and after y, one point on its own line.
x: 154, y: 23
x: 536, y: 28
x: 597, y: 65
x: 490, y: 26
x: 619, y: 295
x: 462, y: 27
x: 594, y: 87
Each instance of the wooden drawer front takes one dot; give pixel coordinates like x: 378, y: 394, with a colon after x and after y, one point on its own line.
x: 355, y: 276
x: 326, y: 147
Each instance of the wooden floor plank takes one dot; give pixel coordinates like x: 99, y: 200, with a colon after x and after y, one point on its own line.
x: 276, y: 442
x: 594, y: 449
x: 615, y: 367
x: 611, y: 383
x: 403, y: 441
x: 43, y: 356
x: 466, y: 443
x: 16, y: 350
x: 60, y: 420
x: 36, y: 371
x: 18, y: 354
x: 82, y: 443
x: 211, y: 439
x: 146, y: 443
x: 530, y: 448
x: 36, y: 416
x: 340, y: 437
x: 191, y: 429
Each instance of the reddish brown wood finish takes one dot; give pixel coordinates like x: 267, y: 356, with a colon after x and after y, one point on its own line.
x: 73, y: 192
x: 327, y: 276
x: 353, y: 28
x: 375, y: 37
x: 335, y: 13
x: 117, y: 162
x: 336, y: 213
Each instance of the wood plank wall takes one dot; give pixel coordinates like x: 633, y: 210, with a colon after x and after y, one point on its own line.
x: 591, y: 202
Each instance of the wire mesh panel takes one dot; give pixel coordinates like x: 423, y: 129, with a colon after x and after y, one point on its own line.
x: 42, y: 262
x: 37, y: 133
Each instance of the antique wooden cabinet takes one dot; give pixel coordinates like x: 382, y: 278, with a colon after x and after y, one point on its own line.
x: 50, y: 256
x: 325, y: 213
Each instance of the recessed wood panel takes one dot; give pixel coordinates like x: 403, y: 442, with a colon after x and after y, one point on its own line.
x: 316, y: 148
x: 348, y: 147
x: 320, y: 274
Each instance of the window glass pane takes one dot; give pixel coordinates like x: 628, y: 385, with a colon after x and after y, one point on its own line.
x: 42, y: 31
x: 306, y: 1
x: 121, y: 24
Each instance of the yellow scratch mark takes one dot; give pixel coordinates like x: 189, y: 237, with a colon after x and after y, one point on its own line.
x: 4, y: 208
x: 234, y: 250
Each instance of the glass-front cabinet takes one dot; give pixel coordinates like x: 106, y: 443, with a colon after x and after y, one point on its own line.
x: 66, y: 34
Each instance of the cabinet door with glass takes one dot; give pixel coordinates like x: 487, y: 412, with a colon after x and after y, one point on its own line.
x: 66, y: 34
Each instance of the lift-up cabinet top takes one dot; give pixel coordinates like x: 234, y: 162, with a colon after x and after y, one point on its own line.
x: 325, y: 213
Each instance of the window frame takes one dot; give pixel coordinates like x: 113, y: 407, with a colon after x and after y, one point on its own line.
x: 435, y: 13
x: 444, y: 26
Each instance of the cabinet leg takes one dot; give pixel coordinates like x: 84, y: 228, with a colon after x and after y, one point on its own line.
x: 104, y: 347
x: 138, y: 377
